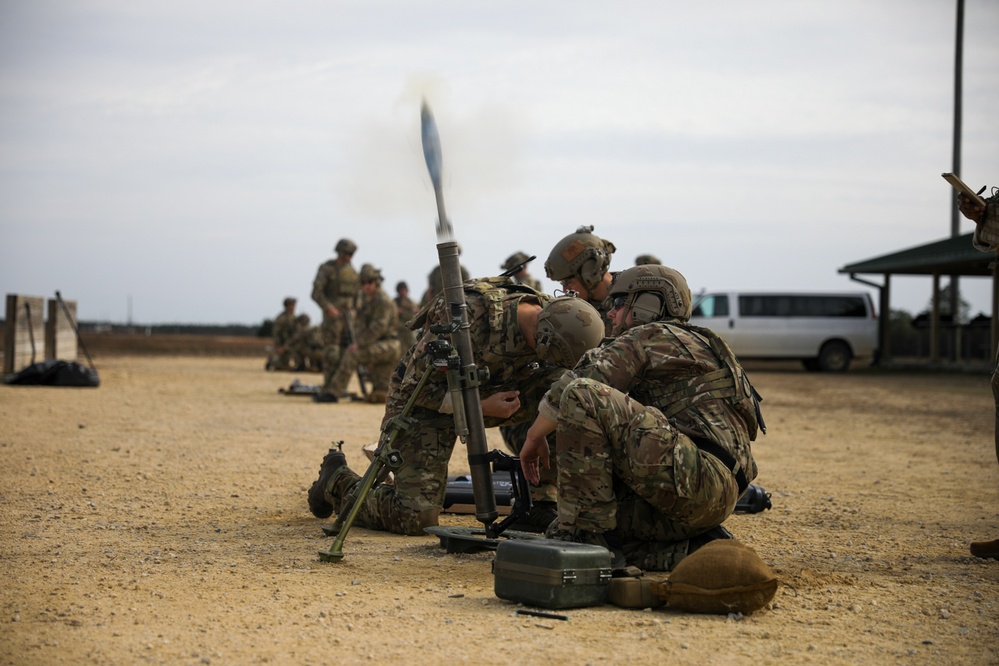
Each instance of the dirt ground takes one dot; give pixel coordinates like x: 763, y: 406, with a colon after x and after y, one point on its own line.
x: 162, y: 518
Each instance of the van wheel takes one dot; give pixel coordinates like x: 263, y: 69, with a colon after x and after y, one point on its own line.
x: 834, y: 356
x: 811, y: 364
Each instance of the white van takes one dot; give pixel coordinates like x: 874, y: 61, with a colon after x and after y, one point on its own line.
x: 824, y: 330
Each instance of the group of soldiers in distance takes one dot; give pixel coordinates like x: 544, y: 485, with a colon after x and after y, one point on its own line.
x: 362, y: 327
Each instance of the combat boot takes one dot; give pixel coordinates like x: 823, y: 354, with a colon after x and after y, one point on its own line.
x: 318, y: 504
x: 608, y: 540
x: 325, y: 397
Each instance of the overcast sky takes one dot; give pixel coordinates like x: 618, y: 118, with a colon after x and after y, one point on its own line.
x: 199, y: 160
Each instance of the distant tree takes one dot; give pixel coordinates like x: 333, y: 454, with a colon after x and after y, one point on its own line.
x: 963, y: 307
x: 266, y: 329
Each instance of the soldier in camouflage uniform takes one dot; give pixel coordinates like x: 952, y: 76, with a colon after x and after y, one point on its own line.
x: 335, y: 291
x: 986, y: 239
x: 375, y: 345
x: 653, y: 429
x: 284, y: 330
x: 524, y: 340
x: 580, y: 262
x: 521, y: 276
x: 307, y: 345
x: 435, y: 282
x: 406, y: 309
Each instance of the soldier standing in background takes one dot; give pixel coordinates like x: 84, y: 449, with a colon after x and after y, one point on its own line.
x: 521, y: 276
x: 986, y: 239
x: 406, y: 309
x: 284, y: 330
x: 580, y: 262
x: 435, y: 283
x: 653, y: 430
x: 335, y: 291
x: 375, y: 345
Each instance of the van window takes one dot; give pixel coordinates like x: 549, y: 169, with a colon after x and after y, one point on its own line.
x: 713, y: 305
x: 801, y: 306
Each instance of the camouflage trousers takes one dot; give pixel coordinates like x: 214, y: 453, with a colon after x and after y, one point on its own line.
x: 622, y: 466
x: 415, y: 500
x: 379, y: 359
x: 332, y: 335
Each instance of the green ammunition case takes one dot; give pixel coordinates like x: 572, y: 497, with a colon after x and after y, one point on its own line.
x: 552, y: 574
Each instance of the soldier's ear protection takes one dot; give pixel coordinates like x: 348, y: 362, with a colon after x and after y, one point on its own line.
x: 647, y: 308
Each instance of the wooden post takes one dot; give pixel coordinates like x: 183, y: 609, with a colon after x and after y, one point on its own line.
x: 24, y: 341
x: 60, y: 338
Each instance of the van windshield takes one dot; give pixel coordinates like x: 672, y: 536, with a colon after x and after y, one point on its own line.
x: 712, y: 305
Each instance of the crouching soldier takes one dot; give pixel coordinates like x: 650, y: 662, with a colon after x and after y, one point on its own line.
x: 523, y: 341
x: 653, y: 429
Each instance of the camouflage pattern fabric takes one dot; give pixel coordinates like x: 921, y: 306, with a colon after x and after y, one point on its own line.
x: 623, y: 465
x: 986, y: 236
x: 338, y: 285
x: 528, y: 281
x: 378, y: 350
x: 307, y: 348
x: 406, y: 309
x: 435, y: 284
x: 416, y: 498
x: 284, y: 330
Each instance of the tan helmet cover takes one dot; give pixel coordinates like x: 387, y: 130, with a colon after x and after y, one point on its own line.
x: 514, y: 259
x: 665, y: 282
x: 345, y: 246
x: 369, y: 273
x: 567, y: 327
x: 582, y: 255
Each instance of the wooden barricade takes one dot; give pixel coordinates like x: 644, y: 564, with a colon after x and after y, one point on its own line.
x: 60, y: 336
x: 24, y: 337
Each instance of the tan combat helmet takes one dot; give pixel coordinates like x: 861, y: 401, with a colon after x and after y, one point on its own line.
x: 515, y: 259
x: 370, y: 274
x: 302, y: 319
x: 289, y: 301
x: 653, y: 293
x: 345, y: 246
x: 567, y: 327
x: 582, y: 255
x: 644, y: 259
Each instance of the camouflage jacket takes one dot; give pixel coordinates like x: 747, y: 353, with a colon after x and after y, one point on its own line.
x: 310, y: 337
x: 377, y: 320
x: 284, y: 329
x: 498, y: 345
x: 687, y: 372
x: 336, y: 285
x: 406, y: 308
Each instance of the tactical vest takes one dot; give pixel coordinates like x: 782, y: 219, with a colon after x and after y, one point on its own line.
x: 492, y: 291
x: 729, y: 383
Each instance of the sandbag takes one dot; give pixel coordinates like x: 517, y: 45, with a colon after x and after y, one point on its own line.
x: 55, y: 373
x: 722, y: 576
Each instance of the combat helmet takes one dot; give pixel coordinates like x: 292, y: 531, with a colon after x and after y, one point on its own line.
x: 582, y: 255
x: 345, y: 246
x: 302, y: 319
x: 370, y: 274
x: 653, y: 293
x: 567, y: 327
x: 643, y: 259
x: 515, y: 259
x: 289, y: 301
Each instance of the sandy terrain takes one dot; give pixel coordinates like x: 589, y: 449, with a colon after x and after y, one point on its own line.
x: 162, y: 518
